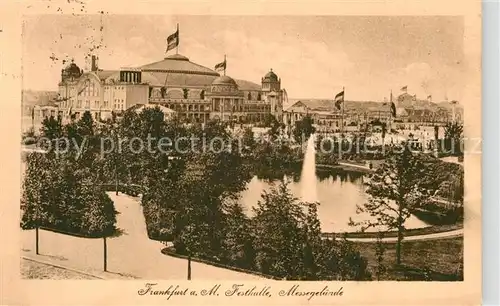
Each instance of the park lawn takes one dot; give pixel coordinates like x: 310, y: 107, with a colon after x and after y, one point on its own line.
x: 35, y: 270
x: 440, y: 256
x: 409, y: 232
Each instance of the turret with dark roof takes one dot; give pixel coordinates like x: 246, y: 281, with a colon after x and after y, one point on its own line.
x: 271, y: 82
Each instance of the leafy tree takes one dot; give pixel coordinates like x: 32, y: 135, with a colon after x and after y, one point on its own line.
x: 51, y: 128
x: 248, y: 140
x: 453, y: 138
x: 238, y: 241
x: 288, y: 244
x: 35, y: 200
x: 303, y: 129
x: 278, y: 233
x: 393, y: 192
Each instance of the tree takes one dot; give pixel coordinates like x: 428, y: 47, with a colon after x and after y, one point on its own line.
x: 36, y: 193
x: 99, y: 215
x: 248, y: 139
x: 453, y: 138
x: 238, y: 240
x: 393, y: 192
x: 303, y: 129
x: 52, y: 130
x: 278, y: 234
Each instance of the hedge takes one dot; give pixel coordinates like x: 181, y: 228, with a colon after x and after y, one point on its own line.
x: 170, y: 251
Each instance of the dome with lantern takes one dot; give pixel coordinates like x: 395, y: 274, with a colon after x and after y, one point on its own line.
x: 225, y: 85
x: 71, y: 71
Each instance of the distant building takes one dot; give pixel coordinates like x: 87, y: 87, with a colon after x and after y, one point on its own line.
x: 358, y: 115
x: 327, y: 118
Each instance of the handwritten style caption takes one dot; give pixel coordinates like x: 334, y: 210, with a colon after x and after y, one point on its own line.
x: 238, y: 290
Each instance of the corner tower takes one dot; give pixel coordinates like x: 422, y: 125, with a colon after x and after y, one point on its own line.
x: 271, y: 90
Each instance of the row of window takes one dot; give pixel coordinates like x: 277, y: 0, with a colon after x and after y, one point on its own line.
x: 205, y: 107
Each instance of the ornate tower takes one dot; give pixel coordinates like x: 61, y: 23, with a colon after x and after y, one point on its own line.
x: 271, y: 82
x: 271, y: 89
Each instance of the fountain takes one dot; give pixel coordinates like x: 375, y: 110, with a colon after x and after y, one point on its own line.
x: 308, y: 177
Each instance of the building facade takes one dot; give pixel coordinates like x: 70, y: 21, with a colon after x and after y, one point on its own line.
x: 363, y: 115
x: 194, y: 92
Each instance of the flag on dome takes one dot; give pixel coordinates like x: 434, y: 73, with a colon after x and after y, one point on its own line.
x: 339, y: 99
x: 404, y: 88
x: 173, y: 40
x: 221, y: 66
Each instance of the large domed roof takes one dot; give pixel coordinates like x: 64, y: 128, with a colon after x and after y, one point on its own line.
x: 177, y: 70
x: 224, y: 80
x: 178, y: 64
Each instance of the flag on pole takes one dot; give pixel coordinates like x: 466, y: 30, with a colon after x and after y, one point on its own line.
x: 33, y: 113
x: 429, y: 97
x: 454, y: 102
x: 173, y: 40
x: 404, y: 88
x: 221, y: 66
x: 339, y: 99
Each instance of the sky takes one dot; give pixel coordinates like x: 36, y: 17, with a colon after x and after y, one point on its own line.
x: 315, y: 56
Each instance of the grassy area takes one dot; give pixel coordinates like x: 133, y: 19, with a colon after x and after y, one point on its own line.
x: 439, y: 258
x: 409, y: 232
x: 35, y: 270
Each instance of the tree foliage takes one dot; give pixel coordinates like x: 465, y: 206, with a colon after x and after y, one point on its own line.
x: 303, y: 129
x: 453, y: 136
x: 287, y: 242
x: 394, y: 191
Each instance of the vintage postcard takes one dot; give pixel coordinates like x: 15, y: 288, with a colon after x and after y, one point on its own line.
x: 228, y: 153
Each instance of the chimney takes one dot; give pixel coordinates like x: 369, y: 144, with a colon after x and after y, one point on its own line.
x: 94, y: 63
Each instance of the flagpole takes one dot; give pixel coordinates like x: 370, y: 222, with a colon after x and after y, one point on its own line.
x: 225, y: 64
x: 33, y: 118
x: 343, y: 99
x: 177, y: 47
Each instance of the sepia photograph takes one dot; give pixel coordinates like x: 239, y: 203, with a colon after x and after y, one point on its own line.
x: 242, y: 147
x: 241, y: 153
